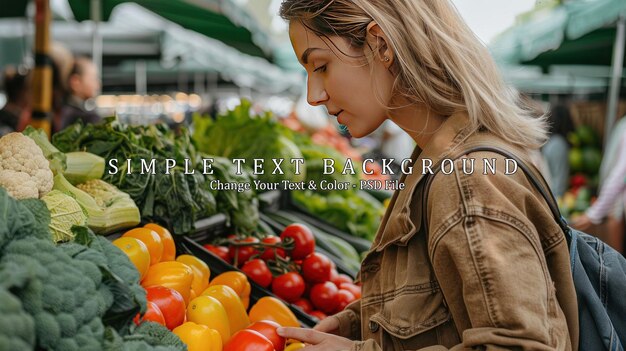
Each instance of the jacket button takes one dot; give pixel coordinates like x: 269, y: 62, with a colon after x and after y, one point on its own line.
x: 372, y: 268
x: 373, y: 326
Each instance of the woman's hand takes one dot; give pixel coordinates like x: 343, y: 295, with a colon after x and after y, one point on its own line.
x: 582, y: 222
x: 328, y: 325
x: 316, y: 340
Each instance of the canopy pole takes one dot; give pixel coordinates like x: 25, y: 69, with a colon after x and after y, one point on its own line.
x: 616, y: 76
x: 96, y: 49
x: 42, y: 74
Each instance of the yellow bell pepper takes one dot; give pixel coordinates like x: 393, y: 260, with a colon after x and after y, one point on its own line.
x: 238, y: 282
x: 273, y: 309
x: 201, y: 272
x: 171, y: 274
x: 291, y: 347
x: 207, y: 310
x: 199, y: 337
x: 237, y: 316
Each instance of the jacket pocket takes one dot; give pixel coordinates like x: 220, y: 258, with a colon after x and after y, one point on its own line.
x: 414, y: 317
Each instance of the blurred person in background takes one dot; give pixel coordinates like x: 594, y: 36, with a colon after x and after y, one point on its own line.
x: 612, y: 196
x: 62, y: 63
x: 83, y: 84
x: 556, y: 150
x: 15, y: 114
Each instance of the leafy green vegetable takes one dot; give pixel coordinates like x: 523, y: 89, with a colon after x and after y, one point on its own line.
x: 238, y: 134
x: 175, y: 200
x: 65, y: 212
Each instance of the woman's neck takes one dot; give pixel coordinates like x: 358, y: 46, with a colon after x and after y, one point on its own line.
x: 417, y: 121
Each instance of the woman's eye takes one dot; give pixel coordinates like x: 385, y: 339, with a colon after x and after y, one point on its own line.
x: 320, y: 69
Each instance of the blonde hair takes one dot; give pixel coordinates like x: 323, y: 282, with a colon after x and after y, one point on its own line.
x: 438, y: 59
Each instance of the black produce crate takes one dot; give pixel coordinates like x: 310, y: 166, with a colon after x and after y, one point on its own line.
x: 218, y: 266
x: 282, y: 200
x: 210, y: 228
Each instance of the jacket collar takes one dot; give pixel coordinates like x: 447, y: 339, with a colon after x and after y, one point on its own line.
x: 403, y: 217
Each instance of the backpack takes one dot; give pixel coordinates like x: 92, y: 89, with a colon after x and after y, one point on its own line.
x: 598, y: 270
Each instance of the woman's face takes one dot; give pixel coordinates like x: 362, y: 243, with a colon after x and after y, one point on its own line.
x: 340, y: 78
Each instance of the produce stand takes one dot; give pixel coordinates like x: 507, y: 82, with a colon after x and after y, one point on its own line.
x: 190, y: 246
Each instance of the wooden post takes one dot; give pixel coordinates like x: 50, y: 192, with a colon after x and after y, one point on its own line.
x: 42, y: 74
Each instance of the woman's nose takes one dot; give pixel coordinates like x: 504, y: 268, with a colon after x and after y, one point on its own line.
x: 316, y: 95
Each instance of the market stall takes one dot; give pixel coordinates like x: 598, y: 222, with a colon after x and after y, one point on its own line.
x: 170, y: 239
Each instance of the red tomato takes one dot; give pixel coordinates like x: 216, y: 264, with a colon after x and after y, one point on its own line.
x: 171, y: 304
x: 243, y: 253
x: 354, y: 289
x: 318, y: 314
x: 316, y: 268
x: 342, y: 278
x: 268, y: 329
x: 289, y: 286
x: 258, y: 272
x: 153, y: 314
x: 248, y: 340
x: 270, y: 254
x: 333, y: 274
x: 219, y: 251
x: 324, y: 297
x: 344, y: 298
x: 304, y: 241
x: 304, y: 304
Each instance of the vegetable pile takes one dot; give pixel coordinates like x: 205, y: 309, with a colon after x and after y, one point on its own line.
x: 292, y: 268
x: 239, y: 134
x: 207, y: 314
x: 80, y: 295
x: 176, y: 199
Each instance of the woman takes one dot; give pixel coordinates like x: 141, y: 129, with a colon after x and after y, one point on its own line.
x: 491, y: 271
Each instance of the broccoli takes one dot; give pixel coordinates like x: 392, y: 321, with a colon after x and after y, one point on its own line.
x: 60, y: 295
x: 147, y: 337
x: 73, y: 296
x: 17, y: 328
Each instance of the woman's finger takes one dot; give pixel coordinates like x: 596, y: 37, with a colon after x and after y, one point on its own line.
x: 308, y: 336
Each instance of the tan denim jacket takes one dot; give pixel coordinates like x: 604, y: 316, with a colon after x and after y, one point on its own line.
x: 493, y: 273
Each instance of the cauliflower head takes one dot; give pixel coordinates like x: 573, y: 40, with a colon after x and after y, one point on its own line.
x: 18, y: 184
x: 20, y: 153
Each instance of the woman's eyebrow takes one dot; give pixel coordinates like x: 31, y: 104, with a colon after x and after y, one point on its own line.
x: 305, y: 55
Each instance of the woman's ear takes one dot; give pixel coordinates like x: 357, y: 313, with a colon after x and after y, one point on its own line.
x: 379, y: 43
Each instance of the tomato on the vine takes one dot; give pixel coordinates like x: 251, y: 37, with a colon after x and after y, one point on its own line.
x: 304, y: 241
x: 241, y: 254
x: 354, y: 289
x: 304, y: 304
x: 289, y: 286
x: 258, y: 272
x: 271, y: 253
x: 219, y: 251
x: 344, y: 298
x: 342, y: 278
x: 324, y: 297
x: 316, y: 268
